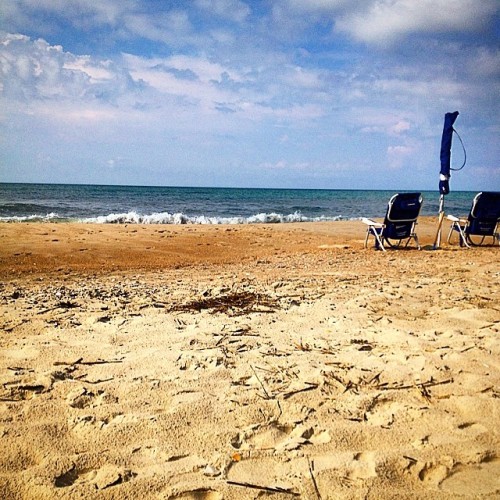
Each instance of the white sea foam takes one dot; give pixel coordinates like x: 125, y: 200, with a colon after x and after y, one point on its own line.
x: 31, y: 218
x: 180, y: 218
x: 176, y: 218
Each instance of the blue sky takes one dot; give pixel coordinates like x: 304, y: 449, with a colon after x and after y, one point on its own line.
x: 335, y: 94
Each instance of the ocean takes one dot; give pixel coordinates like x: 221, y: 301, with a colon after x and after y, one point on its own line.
x: 185, y: 205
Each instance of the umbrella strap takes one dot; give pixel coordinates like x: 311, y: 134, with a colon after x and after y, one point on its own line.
x: 465, y: 153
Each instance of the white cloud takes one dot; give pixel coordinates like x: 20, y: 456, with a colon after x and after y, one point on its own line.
x: 205, y: 70
x: 485, y: 63
x: 234, y: 10
x: 22, y: 14
x: 399, y: 155
x: 126, y: 18
x: 381, y: 121
x: 113, y: 163
x: 400, y: 127
x: 173, y: 27
x: 86, y: 115
x: 193, y: 92
x: 385, y: 21
x: 98, y: 71
x: 278, y: 165
x: 202, y: 89
x: 34, y: 71
x: 301, y: 77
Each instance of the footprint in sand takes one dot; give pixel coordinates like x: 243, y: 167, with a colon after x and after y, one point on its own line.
x: 383, y: 411
x: 85, y: 425
x: 464, y: 479
x: 363, y: 466
x: 474, y: 479
x: 105, y: 477
x: 278, y: 437
x: 156, y: 460
x: 26, y: 388
x: 434, y: 473
x: 83, y: 398
x: 196, y: 362
x: 196, y: 494
x: 262, y: 437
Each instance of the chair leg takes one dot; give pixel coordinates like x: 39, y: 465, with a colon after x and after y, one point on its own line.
x: 378, y: 241
x: 449, y: 234
x: 461, y: 234
x: 415, y: 237
x: 463, y: 239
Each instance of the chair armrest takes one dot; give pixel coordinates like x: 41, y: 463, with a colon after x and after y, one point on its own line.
x: 370, y: 222
x: 453, y: 218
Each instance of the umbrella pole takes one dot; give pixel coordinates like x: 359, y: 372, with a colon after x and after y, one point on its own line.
x: 437, y: 240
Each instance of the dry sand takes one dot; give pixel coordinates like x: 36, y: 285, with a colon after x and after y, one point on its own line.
x: 233, y: 362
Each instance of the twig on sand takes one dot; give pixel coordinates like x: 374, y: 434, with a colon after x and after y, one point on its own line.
x: 309, y: 387
x: 98, y: 381
x: 420, y: 385
x: 272, y: 489
x: 260, y: 382
x: 80, y: 361
x: 267, y: 396
x: 315, y: 484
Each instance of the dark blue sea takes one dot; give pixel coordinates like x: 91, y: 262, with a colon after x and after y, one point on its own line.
x: 184, y: 205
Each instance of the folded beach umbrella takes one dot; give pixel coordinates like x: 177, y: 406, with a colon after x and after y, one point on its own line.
x: 444, y: 173
x: 445, y: 155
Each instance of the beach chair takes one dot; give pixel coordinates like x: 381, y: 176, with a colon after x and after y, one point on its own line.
x: 399, y: 222
x: 482, y: 222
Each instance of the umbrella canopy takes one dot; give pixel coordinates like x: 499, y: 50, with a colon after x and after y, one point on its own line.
x: 444, y: 174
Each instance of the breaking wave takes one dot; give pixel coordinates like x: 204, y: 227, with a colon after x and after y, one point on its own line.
x: 52, y: 217
x: 178, y: 218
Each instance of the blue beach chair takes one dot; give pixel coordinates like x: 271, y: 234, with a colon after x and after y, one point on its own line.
x: 399, y: 222
x: 482, y: 222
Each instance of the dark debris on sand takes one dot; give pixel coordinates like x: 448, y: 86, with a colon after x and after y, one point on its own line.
x: 233, y: 304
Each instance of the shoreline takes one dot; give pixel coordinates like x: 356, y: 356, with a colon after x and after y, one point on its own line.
x: 44, y: 247
x: 230, y: 362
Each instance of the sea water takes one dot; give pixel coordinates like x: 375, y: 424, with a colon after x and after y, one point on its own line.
x: 186, y: 205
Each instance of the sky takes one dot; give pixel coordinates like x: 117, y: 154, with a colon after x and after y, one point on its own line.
x: 334, y: 94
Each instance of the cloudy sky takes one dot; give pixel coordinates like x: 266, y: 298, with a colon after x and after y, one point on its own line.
x: 248, y: 93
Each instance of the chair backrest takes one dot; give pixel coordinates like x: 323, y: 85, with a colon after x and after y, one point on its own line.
x: 402, y: 212
x: 484, y: 214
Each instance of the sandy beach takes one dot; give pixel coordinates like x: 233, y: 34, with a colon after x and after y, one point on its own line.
x: 247, y: 361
